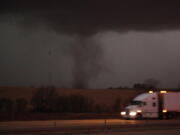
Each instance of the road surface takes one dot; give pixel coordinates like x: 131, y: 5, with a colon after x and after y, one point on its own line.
x: 83, y: 125
x: 143, y: 132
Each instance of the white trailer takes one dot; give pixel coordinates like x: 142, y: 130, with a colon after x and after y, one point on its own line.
x: 161, y: 104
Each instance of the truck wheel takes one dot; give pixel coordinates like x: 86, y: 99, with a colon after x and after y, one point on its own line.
x: 171, y: 115
x: 164, y: 116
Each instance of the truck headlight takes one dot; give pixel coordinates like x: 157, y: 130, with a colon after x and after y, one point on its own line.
x: 164, y: 111
x: 132, y: 113
x: 139, y: 111
x: 123, y: 113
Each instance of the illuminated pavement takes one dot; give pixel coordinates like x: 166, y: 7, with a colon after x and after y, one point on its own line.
x: 67, y: 125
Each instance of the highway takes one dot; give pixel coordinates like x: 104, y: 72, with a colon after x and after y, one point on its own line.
x: 143, y: 132
x: 84, y: 125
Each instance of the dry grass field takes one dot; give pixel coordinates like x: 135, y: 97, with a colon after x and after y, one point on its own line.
x: 99, y: 96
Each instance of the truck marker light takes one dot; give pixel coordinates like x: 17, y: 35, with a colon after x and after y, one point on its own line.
x: 163, y: 91
x: 123, y: 113
x: 139, y: 111
x: 132, y: 113
x: 164, y: 111
x: 150, y: 91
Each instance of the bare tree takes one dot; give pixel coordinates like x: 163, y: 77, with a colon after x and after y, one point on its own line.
x: 21, y: 104
x: 117, y: 105
x: 44, y: 99
x: 151, y: 83
x: 6, y: 105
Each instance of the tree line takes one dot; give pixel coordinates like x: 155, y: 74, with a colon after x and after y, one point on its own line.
x: 48, y: 100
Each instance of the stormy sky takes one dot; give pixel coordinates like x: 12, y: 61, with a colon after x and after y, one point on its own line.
x: 89, y: 43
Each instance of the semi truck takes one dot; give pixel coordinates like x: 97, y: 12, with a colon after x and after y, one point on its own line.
x: 159, y: 104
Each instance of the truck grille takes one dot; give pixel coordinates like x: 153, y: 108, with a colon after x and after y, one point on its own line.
x: 127, y: 111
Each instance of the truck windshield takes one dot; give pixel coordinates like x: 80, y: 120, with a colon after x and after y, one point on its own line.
x: 139, y: 103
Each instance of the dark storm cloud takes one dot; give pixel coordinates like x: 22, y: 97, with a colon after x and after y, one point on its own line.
x: 85, y: 18
x: 90, y: 16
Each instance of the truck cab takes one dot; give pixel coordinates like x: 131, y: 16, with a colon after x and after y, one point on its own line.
x: 143, y: 106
